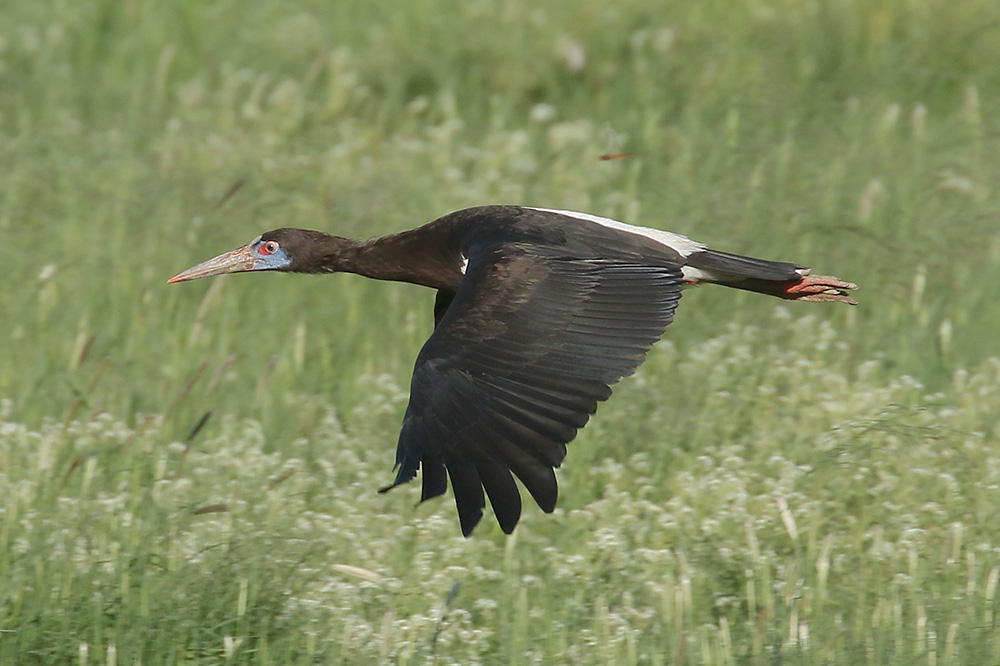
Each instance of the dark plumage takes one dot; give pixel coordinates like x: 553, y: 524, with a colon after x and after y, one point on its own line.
x: 538, y: 313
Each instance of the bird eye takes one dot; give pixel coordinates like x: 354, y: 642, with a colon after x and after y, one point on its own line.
x: 270, y: 247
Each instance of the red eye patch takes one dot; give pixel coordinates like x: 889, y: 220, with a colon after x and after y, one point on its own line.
x: 267, y: 248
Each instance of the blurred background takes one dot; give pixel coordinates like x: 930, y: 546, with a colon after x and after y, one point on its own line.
x: 780, y: 482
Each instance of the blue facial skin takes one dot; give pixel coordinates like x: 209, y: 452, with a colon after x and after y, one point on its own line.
x: 275, y: 261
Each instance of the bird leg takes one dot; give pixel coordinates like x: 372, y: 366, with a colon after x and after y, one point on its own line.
x: 818, y: 288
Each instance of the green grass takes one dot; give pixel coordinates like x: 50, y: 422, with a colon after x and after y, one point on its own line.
x: 779, y: 483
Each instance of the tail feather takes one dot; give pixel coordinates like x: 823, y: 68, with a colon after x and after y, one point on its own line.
x: 775, y: 278
x: 720, y: 263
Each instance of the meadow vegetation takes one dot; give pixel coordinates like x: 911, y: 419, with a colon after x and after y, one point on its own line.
x: 779, y: 483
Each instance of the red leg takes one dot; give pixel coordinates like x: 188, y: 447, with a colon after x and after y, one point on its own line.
x: 816, y: 288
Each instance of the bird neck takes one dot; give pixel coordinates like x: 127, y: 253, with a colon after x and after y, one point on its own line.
x: 414, y: 256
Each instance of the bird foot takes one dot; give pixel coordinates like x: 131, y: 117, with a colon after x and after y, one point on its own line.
x: 819, y: 288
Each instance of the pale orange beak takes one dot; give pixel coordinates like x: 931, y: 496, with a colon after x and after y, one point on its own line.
x: 237, y: 261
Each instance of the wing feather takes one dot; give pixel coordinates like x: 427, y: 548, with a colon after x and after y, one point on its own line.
x: 516, y: 365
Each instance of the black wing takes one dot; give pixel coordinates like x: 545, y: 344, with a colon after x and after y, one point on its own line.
x: 517, y: 364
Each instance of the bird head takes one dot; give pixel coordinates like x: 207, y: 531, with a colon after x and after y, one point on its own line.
x: 268, y: 252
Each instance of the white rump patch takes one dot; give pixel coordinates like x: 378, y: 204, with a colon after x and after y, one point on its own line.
x: 465, y: 264
x: 682, y: 245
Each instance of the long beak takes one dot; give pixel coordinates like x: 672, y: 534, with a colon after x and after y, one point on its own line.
x: 237, y: 261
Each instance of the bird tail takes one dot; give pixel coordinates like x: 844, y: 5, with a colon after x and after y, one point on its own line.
x: 774, y: 278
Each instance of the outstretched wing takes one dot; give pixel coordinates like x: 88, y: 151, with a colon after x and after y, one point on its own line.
x: 517, y: 364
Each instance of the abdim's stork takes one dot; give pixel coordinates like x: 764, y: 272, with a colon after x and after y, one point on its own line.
x: 538, y: 313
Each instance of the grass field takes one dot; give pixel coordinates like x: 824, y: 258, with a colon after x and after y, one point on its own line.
x: 780, y: 483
